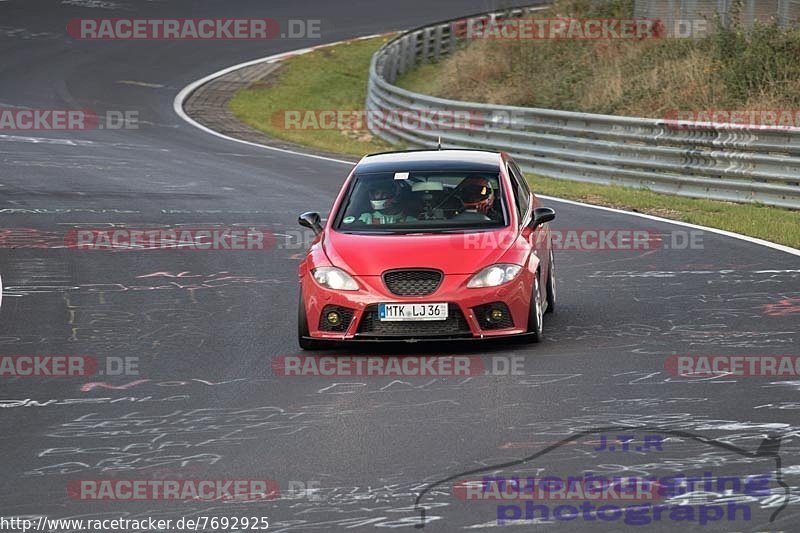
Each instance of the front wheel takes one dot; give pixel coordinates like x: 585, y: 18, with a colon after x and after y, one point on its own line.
x: 535, y: 314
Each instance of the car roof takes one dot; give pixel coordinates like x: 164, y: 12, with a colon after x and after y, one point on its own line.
x: 419, y: 160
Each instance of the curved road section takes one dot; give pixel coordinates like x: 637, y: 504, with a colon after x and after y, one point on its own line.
x: 162, y: 383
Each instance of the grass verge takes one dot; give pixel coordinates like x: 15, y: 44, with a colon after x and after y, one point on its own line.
x: 336, y: 78
x: 328, y: 79
x: 772, y: 224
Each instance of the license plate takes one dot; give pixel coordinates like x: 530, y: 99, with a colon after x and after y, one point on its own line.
x: 403, y: 312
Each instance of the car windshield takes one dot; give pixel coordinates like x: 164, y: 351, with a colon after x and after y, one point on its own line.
x: 409, y: 202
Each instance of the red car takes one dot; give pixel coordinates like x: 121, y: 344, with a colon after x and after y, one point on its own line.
x: 428, y: 245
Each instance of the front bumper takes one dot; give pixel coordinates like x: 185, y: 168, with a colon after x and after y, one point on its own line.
x: 466, y: 321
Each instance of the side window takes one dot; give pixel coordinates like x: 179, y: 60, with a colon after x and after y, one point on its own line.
x: 522, y: 195
x: 523, y: 182
x: 515, y: 190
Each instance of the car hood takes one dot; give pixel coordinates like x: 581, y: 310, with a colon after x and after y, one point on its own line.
x: 458, y: 253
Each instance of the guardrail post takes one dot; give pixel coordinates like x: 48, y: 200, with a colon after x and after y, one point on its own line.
x: 426, y: 37
x: 437, y: 43
x: 750, y: 12
x: 392, y: 64
x: 413, y: 54
x: 723, y: 11
x: 452, y: 40
x: 401, y: 56
x: 784, y: 13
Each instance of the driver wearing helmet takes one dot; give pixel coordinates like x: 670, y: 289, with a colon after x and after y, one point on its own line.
x: 384, y: 199
x: 478, y: 197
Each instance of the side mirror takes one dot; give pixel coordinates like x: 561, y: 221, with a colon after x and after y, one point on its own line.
x: 542, y: 215
x: 310, y: 220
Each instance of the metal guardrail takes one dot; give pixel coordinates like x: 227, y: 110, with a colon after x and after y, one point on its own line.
x: 697, y: 160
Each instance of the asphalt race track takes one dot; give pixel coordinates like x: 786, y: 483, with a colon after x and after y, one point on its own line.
x: 206, y: 325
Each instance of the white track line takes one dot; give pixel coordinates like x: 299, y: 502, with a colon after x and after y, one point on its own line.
x: 181, y: 97
x: 754, y: 240
x: 177, y: 104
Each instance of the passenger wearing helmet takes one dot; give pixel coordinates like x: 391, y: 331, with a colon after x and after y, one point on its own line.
x: 478, y: 197
x: 384, y: 199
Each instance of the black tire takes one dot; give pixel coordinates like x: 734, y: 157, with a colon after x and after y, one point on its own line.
x: 551, y: 285
x: 535, y: 315
x: 302, y: 329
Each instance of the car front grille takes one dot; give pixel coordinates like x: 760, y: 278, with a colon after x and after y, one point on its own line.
x: 412, y: 282
x: 454, y: 326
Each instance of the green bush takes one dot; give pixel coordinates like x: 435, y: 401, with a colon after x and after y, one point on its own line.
x: 760, y: 61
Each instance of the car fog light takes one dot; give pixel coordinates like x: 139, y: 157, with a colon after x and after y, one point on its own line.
x: 496, y: 315
x: 333, y: 318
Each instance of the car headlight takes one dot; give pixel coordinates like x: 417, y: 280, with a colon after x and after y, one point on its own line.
x: 494, y: 276
x: 335, y: 278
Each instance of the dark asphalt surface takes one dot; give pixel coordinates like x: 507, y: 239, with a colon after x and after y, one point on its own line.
x: 206, y: 325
